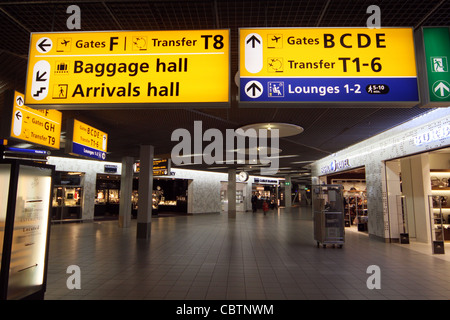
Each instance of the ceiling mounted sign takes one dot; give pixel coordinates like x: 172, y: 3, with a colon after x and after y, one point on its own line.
x: 355, y: 67
x: 39, y: 127
x: 119, y: 69
x: 433, y: 54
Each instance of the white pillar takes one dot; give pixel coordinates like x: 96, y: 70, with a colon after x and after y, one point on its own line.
x: 144, y: 216
x: 126, y: 189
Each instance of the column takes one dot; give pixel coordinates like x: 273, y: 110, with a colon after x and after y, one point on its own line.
x: 288, y: 192
x: 231, y: 193
x: 126, y: 189
x: 144, y: 216
x: 416, y: 186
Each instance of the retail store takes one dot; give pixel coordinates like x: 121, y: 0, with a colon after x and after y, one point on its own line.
x: 400, y: 178
x: 354, y: 195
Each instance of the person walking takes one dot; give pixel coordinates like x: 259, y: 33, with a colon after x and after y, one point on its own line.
x: 254, y: 202
x: 265, y: 206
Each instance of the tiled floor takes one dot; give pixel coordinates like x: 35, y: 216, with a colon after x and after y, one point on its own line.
x: 252, y: 256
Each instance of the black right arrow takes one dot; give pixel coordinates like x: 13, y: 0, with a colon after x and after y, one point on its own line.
x: 44, y: 44
x: 39, y: 77
x: 253, y: 87
x: 253, y: 39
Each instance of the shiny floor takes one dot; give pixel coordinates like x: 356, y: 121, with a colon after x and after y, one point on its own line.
x: 252, y: 256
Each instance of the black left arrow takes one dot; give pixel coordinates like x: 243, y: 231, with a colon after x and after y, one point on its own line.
x: 18, y: 115
x: 43, y: 44
x: 39, y: 77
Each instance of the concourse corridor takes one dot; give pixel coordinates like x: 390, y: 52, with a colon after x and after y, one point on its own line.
x: 255, y: 257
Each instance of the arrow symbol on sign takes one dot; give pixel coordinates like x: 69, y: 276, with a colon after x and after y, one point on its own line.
x: 39, y: 77
x: 43, y: 44
x: 19, y: 101
x: 18, y: 115
x: 253, y: 40
x: 253, y: 87
x: 441, y: 86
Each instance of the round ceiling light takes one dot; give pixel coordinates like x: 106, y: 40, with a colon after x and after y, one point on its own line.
x: 284, y: 129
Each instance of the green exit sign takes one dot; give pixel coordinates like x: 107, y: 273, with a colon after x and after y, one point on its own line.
x: 434, y: 58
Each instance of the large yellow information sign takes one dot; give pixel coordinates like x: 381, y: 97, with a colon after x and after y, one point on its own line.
x: 42, y: 127
x: 328, y: 65
x: 140, y: 68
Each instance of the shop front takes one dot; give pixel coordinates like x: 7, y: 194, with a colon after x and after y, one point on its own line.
x: 403, y: 184
x: 67, y: 196
x: 354, y: 196
x: 419, y: 191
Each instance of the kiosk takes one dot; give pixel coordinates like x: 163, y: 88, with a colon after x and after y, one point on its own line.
x: 25, y: 198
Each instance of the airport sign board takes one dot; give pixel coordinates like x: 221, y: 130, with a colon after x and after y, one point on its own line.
x: 41, y: 127
x: 433, y: 47
x: 354, y: 66
x: 118, y: 69
x: 85, y: 140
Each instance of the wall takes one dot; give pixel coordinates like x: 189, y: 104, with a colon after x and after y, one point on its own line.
x: 203, y: 190
x: 427, y: 132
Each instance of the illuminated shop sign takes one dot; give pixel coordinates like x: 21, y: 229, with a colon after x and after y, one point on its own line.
x: 432, y: 135
x: 335, y: 166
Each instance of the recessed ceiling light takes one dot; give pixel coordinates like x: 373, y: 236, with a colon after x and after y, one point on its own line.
x: 284, y: 129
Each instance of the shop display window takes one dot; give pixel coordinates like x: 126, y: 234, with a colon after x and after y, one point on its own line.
x: 439, y: 203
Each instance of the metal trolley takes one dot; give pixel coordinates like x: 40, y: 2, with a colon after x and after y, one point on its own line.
x: 328, y: 210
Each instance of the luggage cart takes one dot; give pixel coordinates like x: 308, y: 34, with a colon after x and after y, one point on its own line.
x: 328, y: 209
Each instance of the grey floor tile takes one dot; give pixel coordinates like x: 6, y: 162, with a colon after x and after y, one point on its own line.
x: 256, y: 257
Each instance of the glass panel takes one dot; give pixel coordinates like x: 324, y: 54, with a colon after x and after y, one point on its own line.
x: 30, y: 232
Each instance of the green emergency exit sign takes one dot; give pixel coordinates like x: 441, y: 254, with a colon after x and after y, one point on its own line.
x: 436, y: 45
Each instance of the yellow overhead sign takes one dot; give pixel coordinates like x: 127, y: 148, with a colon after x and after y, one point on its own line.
x: 376, y: 67
x: 110, y: 69
x: 42, y: 127
x: 87, y: 141
x: 327, y: 52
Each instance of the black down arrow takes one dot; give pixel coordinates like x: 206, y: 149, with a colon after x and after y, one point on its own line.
x: 39, y: 77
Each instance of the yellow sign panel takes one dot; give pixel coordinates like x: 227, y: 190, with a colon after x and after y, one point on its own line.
x: 42, y: 127
x: 361, y: 66
x: 88, y: 141
x: 326, y: 52
x: 133, y: 67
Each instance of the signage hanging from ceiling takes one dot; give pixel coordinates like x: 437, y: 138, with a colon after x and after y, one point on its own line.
x: 40, y: 127
x: 357, y: 67
x: 84, y: 140
x: 433, y: 47
x: 118, y: 69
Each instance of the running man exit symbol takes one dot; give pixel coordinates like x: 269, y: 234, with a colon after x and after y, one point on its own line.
x: 439, y: 64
